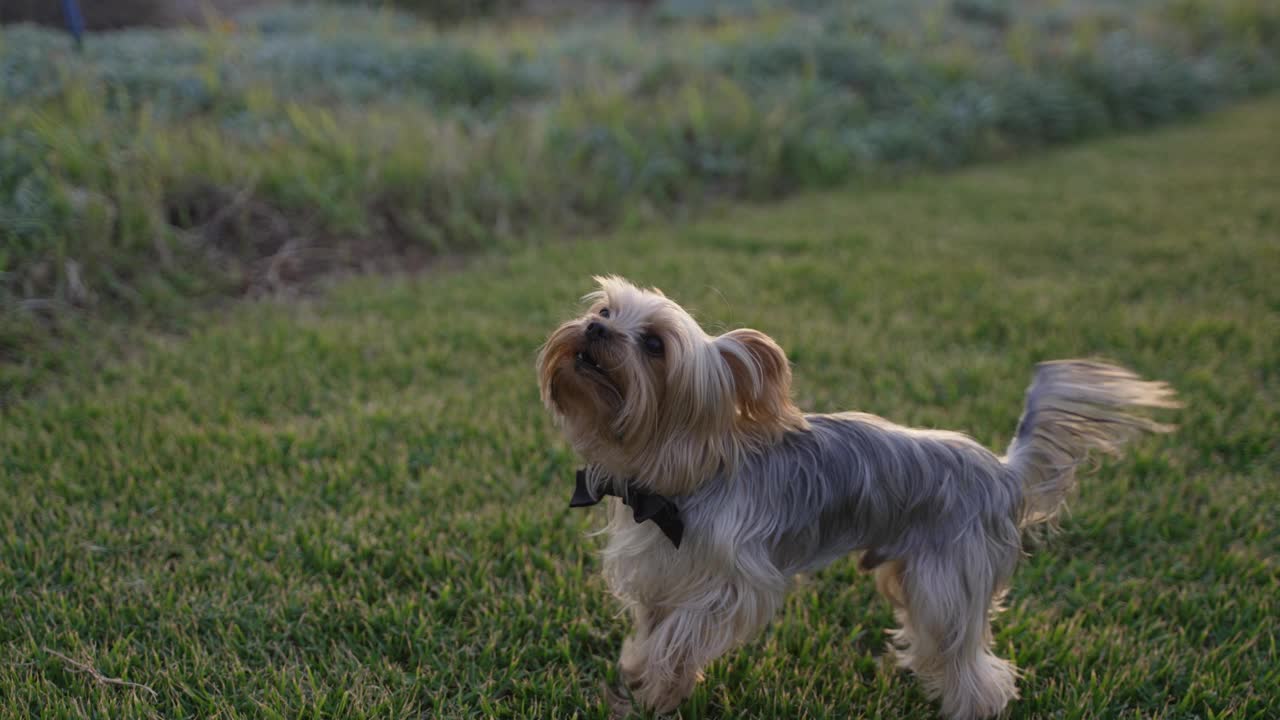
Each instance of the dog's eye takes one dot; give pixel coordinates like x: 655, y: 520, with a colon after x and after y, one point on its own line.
x: 604, y: 312
x: 652, y: 345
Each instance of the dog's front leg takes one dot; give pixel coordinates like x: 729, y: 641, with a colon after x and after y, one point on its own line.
x: 664, y: 659
x: 635, y: 649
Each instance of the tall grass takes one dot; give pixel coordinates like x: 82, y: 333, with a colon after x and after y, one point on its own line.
x: 165, y: 166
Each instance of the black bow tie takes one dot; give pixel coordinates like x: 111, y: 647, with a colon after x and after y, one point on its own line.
x: 645, y: 506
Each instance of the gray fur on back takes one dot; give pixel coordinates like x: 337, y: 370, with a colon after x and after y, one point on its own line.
x: 855, y: 482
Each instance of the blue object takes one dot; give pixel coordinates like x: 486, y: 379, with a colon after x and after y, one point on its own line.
x: 75, y: 21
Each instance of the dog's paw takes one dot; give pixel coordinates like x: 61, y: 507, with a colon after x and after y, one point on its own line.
x: 617, y: 699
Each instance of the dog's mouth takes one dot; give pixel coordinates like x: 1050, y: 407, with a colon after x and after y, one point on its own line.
x: 589, y: 367
x: 585, y: 361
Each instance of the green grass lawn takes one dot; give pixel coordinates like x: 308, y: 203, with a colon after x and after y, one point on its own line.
x: 355, y: 506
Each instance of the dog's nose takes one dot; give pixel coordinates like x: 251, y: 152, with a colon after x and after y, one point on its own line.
x: 596, y: 331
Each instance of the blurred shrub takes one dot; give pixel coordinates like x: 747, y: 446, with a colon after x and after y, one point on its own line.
x: 115, y: 14
x: 318, y: 138
x: 27, y: 216
x: 860, y: 66
x: 352, y: 69
x: 445, y: 10
x: 326, y: 20
x: 186, y: 75
x: 707, y: 11
x: 1252, y: 22
x: 996, y: 13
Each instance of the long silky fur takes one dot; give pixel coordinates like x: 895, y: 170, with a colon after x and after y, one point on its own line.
x: 939, y: 517
x: 1073, y: 407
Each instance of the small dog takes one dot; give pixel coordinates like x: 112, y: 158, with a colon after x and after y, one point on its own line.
x: 700, y: 435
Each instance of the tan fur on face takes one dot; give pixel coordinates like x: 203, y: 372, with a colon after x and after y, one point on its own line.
x: 672, y: 421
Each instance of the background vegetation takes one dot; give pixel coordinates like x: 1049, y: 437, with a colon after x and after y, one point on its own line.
x: 354, y: 506
x: 161, y: 168
x: 351, y: 504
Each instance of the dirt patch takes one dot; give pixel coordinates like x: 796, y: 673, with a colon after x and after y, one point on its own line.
x: 274, y: 251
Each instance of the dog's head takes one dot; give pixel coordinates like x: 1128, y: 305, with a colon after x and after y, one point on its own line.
x: 643, y: 391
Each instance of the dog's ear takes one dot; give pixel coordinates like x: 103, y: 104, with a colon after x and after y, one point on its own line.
x: 761, y: 381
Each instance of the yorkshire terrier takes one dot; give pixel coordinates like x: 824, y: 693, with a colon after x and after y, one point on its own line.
x: 726, y: 490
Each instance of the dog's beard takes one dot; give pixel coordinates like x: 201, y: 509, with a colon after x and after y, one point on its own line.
x: 579, y: 382
x: 606, y: 395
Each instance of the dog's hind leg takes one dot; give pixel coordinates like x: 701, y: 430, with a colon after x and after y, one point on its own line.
x: 902, y: 639
x: 944, y: 602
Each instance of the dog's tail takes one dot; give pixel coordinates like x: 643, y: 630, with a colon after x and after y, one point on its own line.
x: 1073, y: 407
